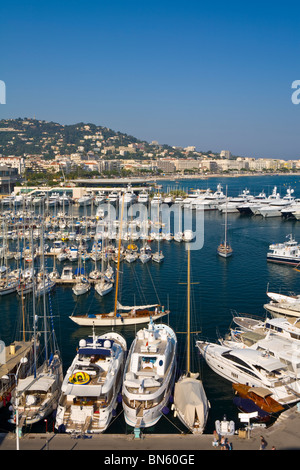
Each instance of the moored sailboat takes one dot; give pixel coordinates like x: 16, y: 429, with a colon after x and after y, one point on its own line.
x: 190, y: 402
x: 121, y: 316
x: 37, y: 394
x: 224, y: 249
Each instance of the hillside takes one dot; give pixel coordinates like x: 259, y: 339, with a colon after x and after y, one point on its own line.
x: 33, y: 137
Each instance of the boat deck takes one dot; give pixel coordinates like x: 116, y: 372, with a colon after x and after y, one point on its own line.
x: 13, y: 355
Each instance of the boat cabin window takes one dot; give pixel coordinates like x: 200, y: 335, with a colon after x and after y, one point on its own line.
x: 295, y: 336
x: 148, y: 362
x: 235, y: 359
x: 275, y: 328
x: 239, y: 362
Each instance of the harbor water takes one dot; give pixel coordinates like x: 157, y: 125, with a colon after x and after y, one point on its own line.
x: 220, y: 288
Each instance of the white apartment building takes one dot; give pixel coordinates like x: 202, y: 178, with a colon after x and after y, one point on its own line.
x: 14, y: 162
x: 186, y: 164
x: 227, y: 165
x: 225, y: 154
x: 208, y: 165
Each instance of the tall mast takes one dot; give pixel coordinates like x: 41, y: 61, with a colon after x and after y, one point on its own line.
x: 44, y: 293
x: 225, y: 241
x: 188, y: 365
x: 118, y: 265
x: 33, y: 304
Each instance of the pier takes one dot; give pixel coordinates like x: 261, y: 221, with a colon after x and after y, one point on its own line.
x: 283, y: 435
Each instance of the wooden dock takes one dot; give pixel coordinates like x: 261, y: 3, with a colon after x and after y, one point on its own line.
x: 71, y: 282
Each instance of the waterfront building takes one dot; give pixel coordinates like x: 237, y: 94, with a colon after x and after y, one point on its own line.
x: 8, y: 178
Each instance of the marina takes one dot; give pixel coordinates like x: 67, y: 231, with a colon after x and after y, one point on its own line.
x: 238, y: 284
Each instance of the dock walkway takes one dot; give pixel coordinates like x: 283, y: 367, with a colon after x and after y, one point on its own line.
x: 283, y: 435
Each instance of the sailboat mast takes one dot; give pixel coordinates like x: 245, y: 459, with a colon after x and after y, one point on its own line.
x: 119, y: 249
x: 23, y: 312
x: 44, y: 293
x: 225, y: 241
x: 33, y: 304
x: 188, y: 365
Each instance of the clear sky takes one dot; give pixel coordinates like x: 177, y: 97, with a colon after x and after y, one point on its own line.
x: 213, y: 74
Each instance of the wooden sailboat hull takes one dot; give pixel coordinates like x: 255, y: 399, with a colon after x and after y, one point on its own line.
x: 111, y: 320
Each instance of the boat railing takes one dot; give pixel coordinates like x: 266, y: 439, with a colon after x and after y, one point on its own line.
x: 247, y: 315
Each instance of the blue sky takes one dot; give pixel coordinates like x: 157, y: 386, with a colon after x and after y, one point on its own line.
x: 216, y: 75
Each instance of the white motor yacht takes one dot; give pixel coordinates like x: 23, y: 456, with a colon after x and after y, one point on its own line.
x: 232, y: 204
x: 100, y: 198
x: 156, y: 200
x: 113, y: 197
x: 275, y: 207
x: 52, y: 200
x: 169, y: 199
x: 72, y: 252
x: 67, y: 273
x: 89, y: 393
x: 143, y: 197
x: 251, y: 367
x: 286, y: 253
x: 129, y: 196
x: 64, y: 199
x: 85, y: 200
x: 277, y: 326
x: 149, y: 375
x: 288, y: 310
x: 192, y: 197
x: 253, y: 206
x: 209, y: 200
x: 58, y: 247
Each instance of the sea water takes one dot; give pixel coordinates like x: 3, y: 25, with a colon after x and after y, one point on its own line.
x: 220, y: 288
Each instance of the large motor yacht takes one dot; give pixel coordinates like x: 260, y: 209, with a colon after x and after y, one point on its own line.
x: 252, y: 367
x: 287, y: 252
x: 149, y: 375
x: 91, y: 385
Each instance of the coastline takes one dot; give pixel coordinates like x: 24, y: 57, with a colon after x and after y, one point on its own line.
x: 219, y: 175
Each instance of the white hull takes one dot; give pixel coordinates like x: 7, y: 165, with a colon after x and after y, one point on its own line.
x: 144, y: 258
x: 225, y: 255
x: 150, y: 417
x: 283, y: 310
x: 149, y: 375
x: 251, y: 367
x: 8, y: 289
x: 104, y: 288
x: 158, y: 257
x: 80, y: 289
x: 283, y: 298
x: 101, y: 363
x: 38, y: 397
x: 190, y: 403
x: 111, y: 320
